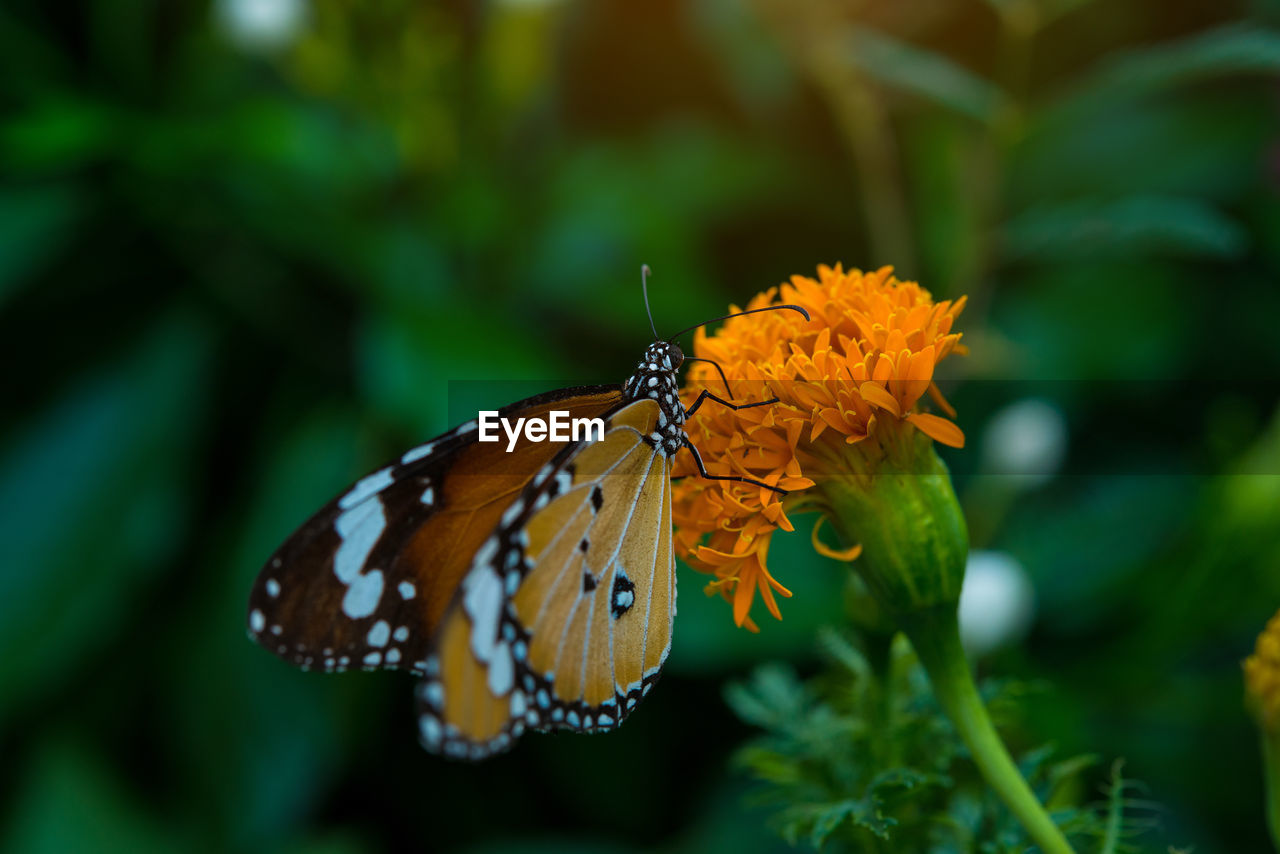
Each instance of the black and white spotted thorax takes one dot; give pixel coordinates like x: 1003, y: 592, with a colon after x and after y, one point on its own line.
x: 655, y: 377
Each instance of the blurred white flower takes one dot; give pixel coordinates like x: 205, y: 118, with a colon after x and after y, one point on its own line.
x: 1027, y: 438
x: 997, y: 602
x: 261, y: 24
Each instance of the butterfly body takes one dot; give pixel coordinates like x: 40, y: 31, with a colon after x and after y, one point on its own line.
x: 531, y: 589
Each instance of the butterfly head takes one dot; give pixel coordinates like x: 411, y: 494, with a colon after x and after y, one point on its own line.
x: 655, y: 377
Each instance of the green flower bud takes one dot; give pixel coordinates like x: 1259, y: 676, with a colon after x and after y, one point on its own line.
x: 896, y: 500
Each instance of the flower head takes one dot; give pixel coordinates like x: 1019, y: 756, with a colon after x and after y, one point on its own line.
x: 1262, y: 677
x: 849, y: 383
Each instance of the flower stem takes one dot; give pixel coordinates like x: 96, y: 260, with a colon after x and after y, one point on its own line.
x: 936, y: 637
x: 1271, y: 762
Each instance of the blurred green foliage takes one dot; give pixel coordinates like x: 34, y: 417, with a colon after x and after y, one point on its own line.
x: 243, y: 261
x: 863, y: 759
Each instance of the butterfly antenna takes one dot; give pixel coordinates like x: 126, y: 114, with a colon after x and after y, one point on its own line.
x: 719, y: 370
x: 740, y: 314
x: 645, y: 272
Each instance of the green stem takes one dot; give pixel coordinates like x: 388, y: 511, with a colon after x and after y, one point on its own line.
x: 935, y: 634
x: 1271, y: 764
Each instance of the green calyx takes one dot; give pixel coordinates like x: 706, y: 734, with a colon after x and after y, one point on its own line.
x: 892, y: 494
x: 895, y: 498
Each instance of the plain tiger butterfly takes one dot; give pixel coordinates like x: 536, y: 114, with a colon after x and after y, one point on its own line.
x: 530, y: 588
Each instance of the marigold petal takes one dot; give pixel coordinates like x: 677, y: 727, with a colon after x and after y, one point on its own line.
x: 938, y: 429
x: 883, y: 370
x: 935, y: 394
x: 868, y: 352
x: 877, y: 396
x: 921, y: 367
x: 769, y: 601
x: 742, y: 596
x: 826, y: 551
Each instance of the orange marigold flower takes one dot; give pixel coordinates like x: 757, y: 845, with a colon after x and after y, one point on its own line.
x: 1262, y: 677
x: 854, y: 374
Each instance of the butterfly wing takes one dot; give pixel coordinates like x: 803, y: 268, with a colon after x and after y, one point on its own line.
x: 564, y: 617
x: 366, y: 581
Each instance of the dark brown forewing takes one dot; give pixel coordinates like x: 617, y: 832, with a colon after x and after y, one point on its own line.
x: 365, y: 581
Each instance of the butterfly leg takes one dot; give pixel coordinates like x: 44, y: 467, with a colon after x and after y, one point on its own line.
x: 719, y: 370
x: 706, y: 395
x: 702, y: 470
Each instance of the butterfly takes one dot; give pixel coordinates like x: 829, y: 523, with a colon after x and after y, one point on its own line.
x: 530, y: 588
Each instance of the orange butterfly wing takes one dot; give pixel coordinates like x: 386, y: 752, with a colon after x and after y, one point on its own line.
x: 565, y: 616
x: 365, y: 581
x: 531, y: 589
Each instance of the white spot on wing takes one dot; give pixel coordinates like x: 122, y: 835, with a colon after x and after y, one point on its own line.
x: 417, y: 453
x: 407, y: 590
x: 510, y: 514
x: 379, y: 634
x: 501, y: 670
x: 428, y: 496
x: 434, y: 694
x: 273, y: 588
x: 430, y: 729
x: 401, y: 634
x: 359, y: 529
x: 257, y: 621
x: 363, y: 595
x: 483, y: 601
x: 484, y: 556
x: 365, y: 487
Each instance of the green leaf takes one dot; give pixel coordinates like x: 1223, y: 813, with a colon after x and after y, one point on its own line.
x: 890, y: 783
x: 770, y: 765
x: 259, y: 776
x: 1229, y: 51
x: 34, y: 223
x: 950, y: 176
x: 926, y: 74
x: 838, y: 648
x: 1207, y: 146
x: 1138, y: 225
x: 1069, y: 769
x: 821, y: 820
x: 95, y: 501
x: 773, y: 699
x: 70, y: 801
x: 1045, y: 11
x: 62, y: 133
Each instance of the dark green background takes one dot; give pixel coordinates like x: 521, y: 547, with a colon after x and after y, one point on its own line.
x: 233, y: 278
